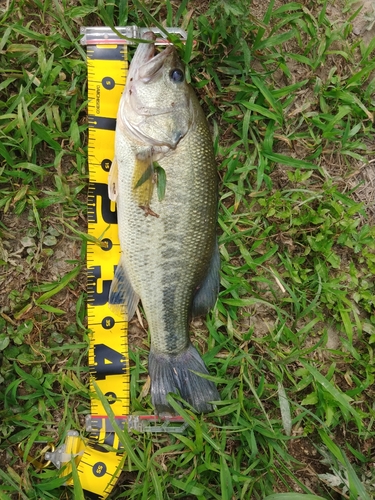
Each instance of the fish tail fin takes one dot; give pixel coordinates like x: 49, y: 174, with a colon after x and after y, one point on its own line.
x: 175, y: 373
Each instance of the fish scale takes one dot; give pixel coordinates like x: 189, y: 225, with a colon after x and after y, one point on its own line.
x: 169, y: 248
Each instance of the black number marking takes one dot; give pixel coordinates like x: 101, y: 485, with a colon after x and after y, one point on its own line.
x: 107, y: 362
x: 96, y: 298
x: 108, y: 83
x: 100, y: 190
x: 99, y: 469
x: 108, y: 322
x: 106, y: 165
x: 111, y: 396
x: 106, y: 244
x: 102, y: 122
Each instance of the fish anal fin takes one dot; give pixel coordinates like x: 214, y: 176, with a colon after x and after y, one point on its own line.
x: 122, y: 300
x: 206, y: 295
x: 113, y: 181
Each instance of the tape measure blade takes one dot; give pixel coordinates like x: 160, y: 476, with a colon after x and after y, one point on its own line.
x: 99, y: 468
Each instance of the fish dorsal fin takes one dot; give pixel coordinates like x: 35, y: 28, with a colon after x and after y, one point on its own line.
x: 206, y: 295
x: 113, y: 181
x: 122, y: 298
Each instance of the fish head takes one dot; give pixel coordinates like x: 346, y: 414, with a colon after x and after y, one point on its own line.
x: 155, y: 109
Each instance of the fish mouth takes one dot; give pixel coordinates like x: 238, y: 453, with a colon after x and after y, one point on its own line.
x: 141, y: 113
x: 146, y: 61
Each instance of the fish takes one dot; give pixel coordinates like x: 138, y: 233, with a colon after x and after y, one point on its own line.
x: 168, y: 237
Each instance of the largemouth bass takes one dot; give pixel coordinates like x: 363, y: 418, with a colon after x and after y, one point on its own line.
x: 170, y: 259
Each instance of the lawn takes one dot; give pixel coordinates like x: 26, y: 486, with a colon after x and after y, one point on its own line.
x: 289, y: 92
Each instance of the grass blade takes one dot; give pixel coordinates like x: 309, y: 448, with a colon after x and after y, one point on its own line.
x: 123, y: 436
x: 342, y: 399
x: 292, y: 496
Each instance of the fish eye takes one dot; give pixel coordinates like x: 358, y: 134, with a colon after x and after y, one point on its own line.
x: 176, y: 75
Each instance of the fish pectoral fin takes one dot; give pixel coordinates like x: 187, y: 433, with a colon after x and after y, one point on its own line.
x: 113, y: 181
x: 143, y: 179
x: 206, y: 295
x: 122, y: 298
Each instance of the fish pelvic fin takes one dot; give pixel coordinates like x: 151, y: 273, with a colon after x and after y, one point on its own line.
x: 122, y: 299
x: 175, y: 373
x: 206, y: 295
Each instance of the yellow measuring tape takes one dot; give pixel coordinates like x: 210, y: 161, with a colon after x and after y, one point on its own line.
x: 97, y: 459
x: 99, y: 468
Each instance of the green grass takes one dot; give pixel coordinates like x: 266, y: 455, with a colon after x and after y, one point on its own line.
x: 289, y: 93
